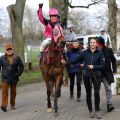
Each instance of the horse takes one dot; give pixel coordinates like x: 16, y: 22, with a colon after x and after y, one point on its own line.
x: 52, y: 69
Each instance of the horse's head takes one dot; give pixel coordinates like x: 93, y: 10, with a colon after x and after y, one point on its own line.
x: 59, y: 38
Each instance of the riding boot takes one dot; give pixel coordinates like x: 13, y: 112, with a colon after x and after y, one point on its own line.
x: 41, y: 56
x: 110, y: 107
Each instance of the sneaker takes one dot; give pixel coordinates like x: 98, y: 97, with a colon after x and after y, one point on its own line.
x: 3, y: 109
x: 91, y: 115
x: 98, y: 115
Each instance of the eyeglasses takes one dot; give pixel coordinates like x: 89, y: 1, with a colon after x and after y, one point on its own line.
x: 9, y: 49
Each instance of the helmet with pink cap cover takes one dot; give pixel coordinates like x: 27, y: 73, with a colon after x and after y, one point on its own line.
x: 53, y: 11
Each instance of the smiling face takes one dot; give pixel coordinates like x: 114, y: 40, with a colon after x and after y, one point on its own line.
x: 53, y: 18
x: 93, y: 43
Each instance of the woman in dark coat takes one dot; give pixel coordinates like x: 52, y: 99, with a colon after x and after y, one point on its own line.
x: 74, y: 70
x: 93, y: 62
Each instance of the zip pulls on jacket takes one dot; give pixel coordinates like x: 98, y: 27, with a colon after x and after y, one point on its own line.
x: 92, y: 72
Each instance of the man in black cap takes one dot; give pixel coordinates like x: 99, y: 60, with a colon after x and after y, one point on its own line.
x: 108, y: 72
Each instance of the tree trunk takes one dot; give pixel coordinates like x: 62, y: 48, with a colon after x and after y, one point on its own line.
x: 63, y: 10
x: 112, y: 25
x: 16, y: 18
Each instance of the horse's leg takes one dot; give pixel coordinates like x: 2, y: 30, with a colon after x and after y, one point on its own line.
x: 49, y: 106
x: 52, y: 89
x: 57, y: 91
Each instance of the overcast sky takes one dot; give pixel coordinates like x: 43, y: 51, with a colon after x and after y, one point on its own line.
x: 93, y: 11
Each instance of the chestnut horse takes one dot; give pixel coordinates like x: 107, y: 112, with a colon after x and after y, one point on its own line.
x: 52, y: 70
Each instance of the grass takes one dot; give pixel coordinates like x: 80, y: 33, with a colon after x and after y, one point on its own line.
x: 30, y: 77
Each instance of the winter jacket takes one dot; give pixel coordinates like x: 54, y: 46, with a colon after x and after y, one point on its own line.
x: 88, y: 58
x: 48, y: 25
x: 73, y: 68
x: 11, y: 72
x: 110, y: 61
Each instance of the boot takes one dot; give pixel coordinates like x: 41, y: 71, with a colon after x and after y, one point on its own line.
x: 41, y: 56
x: 110, y: 107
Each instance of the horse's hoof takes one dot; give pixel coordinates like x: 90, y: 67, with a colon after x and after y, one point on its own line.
x: 49, y: 110
x: 56, y: 114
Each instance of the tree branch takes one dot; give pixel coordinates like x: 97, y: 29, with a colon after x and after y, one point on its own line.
x: 93, y: 3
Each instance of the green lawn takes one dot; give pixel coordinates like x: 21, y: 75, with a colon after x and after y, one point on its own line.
x: 30, y: 77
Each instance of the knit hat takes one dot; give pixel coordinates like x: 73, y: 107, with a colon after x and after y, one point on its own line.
x: 101, y: 41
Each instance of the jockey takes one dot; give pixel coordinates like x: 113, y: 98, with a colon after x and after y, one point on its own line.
x: 49, y: 26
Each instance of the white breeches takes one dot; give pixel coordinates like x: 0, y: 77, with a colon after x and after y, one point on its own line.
x: 44, y: 44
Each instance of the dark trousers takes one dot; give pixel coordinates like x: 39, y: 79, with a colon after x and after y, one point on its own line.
x: 78, y: 82
x: 88, y: 82
x: 5, y: 90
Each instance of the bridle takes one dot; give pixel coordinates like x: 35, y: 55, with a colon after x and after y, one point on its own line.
x: 59, y: 56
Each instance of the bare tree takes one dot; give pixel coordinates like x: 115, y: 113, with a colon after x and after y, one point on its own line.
x: 31, y: 26
x: 112, y: 25
x: 80, y: 21
x: 93, y: 2
x: 15, y: 12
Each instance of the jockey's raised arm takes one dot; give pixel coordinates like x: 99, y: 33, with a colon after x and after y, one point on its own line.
x: 40, y: 16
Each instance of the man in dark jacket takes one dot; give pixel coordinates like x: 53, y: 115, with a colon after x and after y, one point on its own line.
x: 11, y: 67
x: 108, y: 72
x: 93, y: 62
